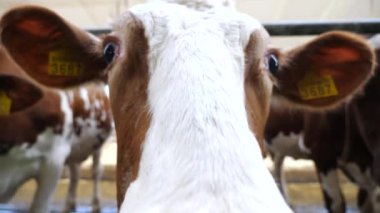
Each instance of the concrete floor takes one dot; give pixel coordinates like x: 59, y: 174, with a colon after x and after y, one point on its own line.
x: 22, y: 199
x: 305, y: 197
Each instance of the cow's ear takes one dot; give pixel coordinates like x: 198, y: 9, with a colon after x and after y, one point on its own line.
x: 49, y: 49
x: 17, y: 94
x: 325, y: 71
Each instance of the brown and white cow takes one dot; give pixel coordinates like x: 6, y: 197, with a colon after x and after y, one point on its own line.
x: 366, y: 116
x: 319, y: 136
x: 344, y: 138
x: 43, y: 129
x: 190, y: 94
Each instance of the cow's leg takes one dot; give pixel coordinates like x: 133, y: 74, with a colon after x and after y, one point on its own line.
x: 15, y: 174
x: 280, y: 147
x: 367, y: 186
x: 96, y: 176
x: 332, y: 193
x: 369, y: 191
x: 376, y: 177
x: 278, y: 173
x: 357, y: 163
x: 47, y: 181
x: 376, y: 199
x: 71, y: 196
x: 324, y: 136
x: 366, y: 115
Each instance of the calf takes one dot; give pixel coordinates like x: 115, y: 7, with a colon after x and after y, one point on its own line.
x: 344, y: 138
x: 37, y: 137
x: 190, y: 94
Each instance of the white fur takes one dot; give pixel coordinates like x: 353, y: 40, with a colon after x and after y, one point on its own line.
x: 375, y: 41
x: 83, y: 145
x: 106, y: 90
x: 281, y: 146
x: 330, y: 185
x: 84, y: 95
x: 376, y: 199
x: 44, y: 160
x: 365, y: 181
x: 199, y: 154
x: 302, y: 146
x: 289, y: 145
x: 202, y: 5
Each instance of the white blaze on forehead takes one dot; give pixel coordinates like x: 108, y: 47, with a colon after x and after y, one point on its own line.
x: 193, y: 53
x: 161, y: 19
x: 196, y: 61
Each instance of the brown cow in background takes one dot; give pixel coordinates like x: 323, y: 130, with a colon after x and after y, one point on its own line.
x: 42, y: 129
x: 347, y: 138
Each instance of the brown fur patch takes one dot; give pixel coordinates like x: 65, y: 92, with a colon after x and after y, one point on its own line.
x: 95, y: 94
x: 257, y: 86
x: 19, y: 92
x: 32, y: 120
x: 128, y: 81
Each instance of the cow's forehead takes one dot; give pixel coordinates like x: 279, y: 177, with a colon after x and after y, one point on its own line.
x: 161, y: 19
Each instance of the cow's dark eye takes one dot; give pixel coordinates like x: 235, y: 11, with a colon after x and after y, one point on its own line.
x: 109, y: 52
x: 273, y: 64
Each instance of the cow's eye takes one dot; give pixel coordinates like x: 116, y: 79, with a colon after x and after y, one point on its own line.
x: 109, y: 52
x: 273, y: 64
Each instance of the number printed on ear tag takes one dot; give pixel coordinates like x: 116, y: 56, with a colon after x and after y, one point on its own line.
x: 314, y: 86
x: 61, y: 63
x: 5, y: 104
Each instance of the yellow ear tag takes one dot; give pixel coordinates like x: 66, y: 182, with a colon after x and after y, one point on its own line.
x: 5, y: 104
x: 61, y: 63
x: 314, y: 86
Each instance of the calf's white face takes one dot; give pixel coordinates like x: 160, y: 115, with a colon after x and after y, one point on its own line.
x: 175, y: 74
x: 190, y: 95
x: 195, y: 95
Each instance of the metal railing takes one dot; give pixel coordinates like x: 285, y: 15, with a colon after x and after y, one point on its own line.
x: 296, y: 28
x: 371, y: 26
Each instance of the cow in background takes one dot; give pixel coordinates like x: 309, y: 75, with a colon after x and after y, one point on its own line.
x: 190, y: 94
x: 42, y: 129
x: 345, y: 138
x: 364, y: 125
